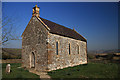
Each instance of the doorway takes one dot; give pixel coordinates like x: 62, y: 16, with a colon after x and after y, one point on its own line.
x: 32, y: 60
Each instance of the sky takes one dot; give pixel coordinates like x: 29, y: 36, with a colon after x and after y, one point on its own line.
x: 96, y: 21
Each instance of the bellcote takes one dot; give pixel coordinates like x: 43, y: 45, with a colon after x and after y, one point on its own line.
x: 36, y: 11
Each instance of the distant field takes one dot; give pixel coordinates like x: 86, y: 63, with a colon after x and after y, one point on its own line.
x: 92, y: 70
x: 11, y: 53
x: 17, y: 72
x: 11, y: 61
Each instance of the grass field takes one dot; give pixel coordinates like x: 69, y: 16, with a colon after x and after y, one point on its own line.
x: 17, y: 72
x: 11, y: 53
x: 91, y: 70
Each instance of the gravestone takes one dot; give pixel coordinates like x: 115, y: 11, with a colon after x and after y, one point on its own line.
x: 8, y: 68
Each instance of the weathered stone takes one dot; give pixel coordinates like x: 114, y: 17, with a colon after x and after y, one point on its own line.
x: 8, y: 68
x: 42, y: 50
x: 31, y: 43
x: 64, y: 59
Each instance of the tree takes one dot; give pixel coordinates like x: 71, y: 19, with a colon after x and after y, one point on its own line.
x: 8, y: 30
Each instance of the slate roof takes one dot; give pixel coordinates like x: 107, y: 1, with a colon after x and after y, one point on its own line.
x: 63, y: 31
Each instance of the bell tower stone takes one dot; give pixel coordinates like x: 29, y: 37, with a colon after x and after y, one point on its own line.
x: 36, y: 11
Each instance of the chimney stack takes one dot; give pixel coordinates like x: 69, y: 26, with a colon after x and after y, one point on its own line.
x: 36, y: 11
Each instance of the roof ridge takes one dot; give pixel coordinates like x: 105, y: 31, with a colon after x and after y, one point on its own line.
x: 57, y: 23
x: 43, y: 23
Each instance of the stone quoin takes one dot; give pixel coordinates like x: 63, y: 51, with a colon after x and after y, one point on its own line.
x: 49, y: 46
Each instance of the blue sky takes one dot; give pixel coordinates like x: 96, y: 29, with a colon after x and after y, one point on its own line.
x: 96, y: 21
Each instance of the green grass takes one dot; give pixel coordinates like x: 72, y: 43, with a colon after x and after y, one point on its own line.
x: 91, y: 70
x: 17, y: 72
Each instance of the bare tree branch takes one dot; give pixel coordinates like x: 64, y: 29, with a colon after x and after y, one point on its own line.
x: 7, y: 30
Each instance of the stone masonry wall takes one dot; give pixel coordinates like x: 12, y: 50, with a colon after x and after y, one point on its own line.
x: 34, y: 40
x: 77, y: 54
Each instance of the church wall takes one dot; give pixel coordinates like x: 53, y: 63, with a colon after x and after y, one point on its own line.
x: 34, y: 40
x: 64, y: 59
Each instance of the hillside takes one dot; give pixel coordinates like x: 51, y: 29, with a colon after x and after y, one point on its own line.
x: 104, y: 51
x: 11, y: 53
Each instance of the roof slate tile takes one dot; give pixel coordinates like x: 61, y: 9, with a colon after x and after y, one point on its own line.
x: 61, y: 30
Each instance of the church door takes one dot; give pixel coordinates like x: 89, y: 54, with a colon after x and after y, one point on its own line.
x: 32, y: 60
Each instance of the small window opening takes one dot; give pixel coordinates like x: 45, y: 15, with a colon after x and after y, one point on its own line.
x: 57, y: 48
x: 78, y: 49
x: 69, y: 49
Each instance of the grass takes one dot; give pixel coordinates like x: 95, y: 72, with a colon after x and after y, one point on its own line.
x: 91, y: 70
x: 17, y: 72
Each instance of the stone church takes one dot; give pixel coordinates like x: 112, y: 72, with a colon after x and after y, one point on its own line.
x: 49, y: 46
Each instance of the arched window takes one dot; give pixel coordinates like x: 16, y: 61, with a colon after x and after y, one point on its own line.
x: 69, y: 49
x: 78, y: 49
x: 57, y: 48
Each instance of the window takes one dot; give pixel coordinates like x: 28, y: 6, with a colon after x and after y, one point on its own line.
x: 78, y: 49
x: 69, y: 48
x: 57, y: 48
